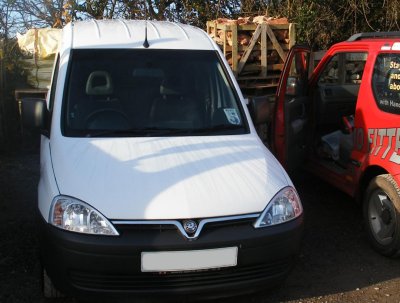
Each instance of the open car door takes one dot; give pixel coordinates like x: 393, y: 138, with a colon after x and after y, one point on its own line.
x: 292, y: 110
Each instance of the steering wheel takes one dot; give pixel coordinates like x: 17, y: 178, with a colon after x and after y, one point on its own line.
x: 107, y: 118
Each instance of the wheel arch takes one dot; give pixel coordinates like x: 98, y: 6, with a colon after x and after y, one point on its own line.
x: 370, y: 173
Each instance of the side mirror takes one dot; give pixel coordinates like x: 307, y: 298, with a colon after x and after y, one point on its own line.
x: 34, y: 113
x: 261, y: 109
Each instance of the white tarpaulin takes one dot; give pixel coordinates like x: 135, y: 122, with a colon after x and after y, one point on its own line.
x: 41, y: 42
x: 42, y: 45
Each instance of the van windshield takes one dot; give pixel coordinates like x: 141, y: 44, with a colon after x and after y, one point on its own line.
x: 134, y: 93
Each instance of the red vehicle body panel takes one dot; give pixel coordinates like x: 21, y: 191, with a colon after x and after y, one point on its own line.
x: 279, y: 143
x: 376, y: 134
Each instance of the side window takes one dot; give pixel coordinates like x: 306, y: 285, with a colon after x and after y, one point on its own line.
x: 354, y: 67
x: 344, y: 68
x: 331, y: 72
x: 337, y: 90
x: 54, y: 84
x: 386, y: 82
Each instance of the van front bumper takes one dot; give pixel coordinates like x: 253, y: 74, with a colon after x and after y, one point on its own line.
x: 81, y: 265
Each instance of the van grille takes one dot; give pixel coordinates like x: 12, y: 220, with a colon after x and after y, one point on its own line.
x: 167, y: 225
x: 179, y: 281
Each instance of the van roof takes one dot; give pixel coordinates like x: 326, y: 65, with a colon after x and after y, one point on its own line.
x: 131, y: 34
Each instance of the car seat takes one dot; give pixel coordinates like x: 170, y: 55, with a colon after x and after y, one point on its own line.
x: 175, y: 108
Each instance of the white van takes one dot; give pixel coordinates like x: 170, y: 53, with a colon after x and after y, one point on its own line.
x: 153, y: 179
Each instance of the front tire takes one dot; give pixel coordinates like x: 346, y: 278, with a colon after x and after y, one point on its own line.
x: 381, y: 209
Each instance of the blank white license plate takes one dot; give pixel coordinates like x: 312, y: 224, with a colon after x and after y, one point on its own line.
x: 189, y: 259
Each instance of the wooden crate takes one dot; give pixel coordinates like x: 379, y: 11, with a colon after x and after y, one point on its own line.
x: 258, y: 63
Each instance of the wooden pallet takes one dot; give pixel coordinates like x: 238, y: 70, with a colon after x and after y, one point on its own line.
x: 265, y: 70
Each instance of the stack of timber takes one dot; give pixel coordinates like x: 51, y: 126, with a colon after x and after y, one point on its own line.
x: 255, y: 48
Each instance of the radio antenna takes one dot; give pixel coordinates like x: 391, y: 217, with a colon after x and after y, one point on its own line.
x: 146, y: 42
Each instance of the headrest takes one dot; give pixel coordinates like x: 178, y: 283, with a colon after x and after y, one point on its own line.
x: 171, y: 86
x: 99, y: 83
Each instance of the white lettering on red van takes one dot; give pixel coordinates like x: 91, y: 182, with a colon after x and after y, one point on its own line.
x: 390, y: 132
x: 387, y: 139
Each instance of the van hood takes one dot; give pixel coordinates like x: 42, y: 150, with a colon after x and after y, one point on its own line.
x: 169, y: 177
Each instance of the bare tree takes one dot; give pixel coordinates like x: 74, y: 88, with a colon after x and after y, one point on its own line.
x: 252, y: 7
x: 319, y: 23
x: 10, y: 72
x: 40, y: 13
x: 103, y: 9
x: 7, y: 20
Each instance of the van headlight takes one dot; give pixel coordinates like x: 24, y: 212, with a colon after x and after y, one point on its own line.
x: 283, y: 207
x: 74, y: 215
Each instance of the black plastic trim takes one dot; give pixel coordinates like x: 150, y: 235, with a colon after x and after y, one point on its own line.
x: 378, y: 35
x: 83, y: 265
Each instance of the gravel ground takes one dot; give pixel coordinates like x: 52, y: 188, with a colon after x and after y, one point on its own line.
x: 336, y: 263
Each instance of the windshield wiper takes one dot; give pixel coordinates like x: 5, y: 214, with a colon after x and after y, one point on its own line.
x: 139, y: 132
x: 217, y: 128
x: 163, y: 131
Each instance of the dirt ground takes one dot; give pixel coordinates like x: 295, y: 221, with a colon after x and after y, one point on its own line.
x: 336, y: 263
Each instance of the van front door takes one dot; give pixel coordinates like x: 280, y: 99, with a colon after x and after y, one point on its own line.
x: 292, y: 111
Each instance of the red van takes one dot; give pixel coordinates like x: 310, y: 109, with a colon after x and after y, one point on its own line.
x: 342, y: 123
